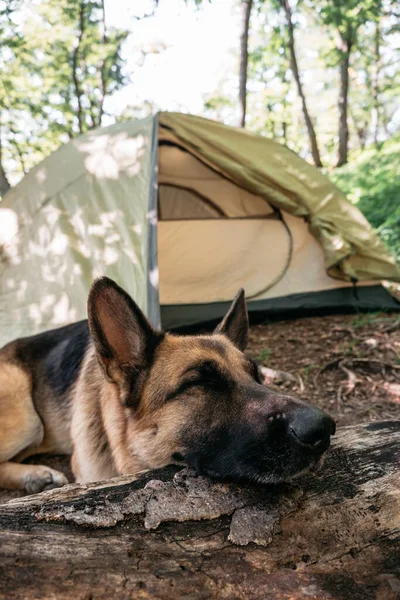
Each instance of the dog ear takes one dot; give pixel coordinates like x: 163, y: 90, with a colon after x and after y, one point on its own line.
x: 124, y: 339
x: 235, y: 324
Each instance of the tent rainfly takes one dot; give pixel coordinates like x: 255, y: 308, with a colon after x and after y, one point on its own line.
x: 182, y: 211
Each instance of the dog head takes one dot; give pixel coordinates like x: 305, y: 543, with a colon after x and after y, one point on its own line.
x: 197, y: 400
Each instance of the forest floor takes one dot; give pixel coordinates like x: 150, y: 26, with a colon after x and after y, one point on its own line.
x: 348, y: 365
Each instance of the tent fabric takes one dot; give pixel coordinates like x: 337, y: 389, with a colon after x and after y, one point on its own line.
x: 85, y: 211
x: 345, y: 300
x: 236, y: 244
x: 183, y: 171
x: 352, y: 250
x: 204, y: 261
x: 221, y: 255
x: 181, y: 212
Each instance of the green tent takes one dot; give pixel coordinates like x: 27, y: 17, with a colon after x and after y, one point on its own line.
x: 182, y: 211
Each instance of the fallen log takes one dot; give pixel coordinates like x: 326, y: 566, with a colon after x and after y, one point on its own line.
x: 172, y: 534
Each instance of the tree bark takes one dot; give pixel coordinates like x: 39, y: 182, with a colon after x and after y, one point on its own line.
x: 103, y: 81
x: 17, y: 147
x: 375, y: 84
x: 345, y: 50
x: 172, y: 534
x: 361, y: 130
x: 244, y: 60
x: 4, y: 183
x: 296, y: 74
x: 75, y: 64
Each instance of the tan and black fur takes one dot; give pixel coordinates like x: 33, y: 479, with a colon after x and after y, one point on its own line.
x: 121, y: 397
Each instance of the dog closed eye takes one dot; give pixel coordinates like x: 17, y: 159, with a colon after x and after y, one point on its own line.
x: 204, y: 375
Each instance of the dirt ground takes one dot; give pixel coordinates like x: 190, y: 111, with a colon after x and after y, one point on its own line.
x: 348, y: 365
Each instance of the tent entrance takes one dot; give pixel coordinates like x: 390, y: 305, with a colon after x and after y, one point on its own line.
x: 208, y: 260
x: 183, y: 203
x: 213, y: 236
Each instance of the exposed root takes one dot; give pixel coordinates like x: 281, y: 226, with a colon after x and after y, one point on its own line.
x: 376, y: 360
x: 349, y: 331
x: 330, y: 365
x: 391, y: 327
x: 352, y: 378
x: 344, y: 364
x: 349, y: 386
x: 301, y: 383
x: 275, y: 376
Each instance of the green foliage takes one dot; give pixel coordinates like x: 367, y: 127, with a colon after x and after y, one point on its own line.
x: 264, y: 354
x: 268, y: 68
x: 347, y: 16
x: 372, y: 182
x: 373, y: 319
x: 217, y: 102
x: 87, y: 60
x: 59, y: 65
x: 306, y: 371
x: 362, y: 321
x: 326, y: 33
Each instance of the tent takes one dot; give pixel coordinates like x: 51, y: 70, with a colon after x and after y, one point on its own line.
x: 182, y: 211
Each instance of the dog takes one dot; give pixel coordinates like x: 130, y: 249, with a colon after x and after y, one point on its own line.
x: 122, y: 397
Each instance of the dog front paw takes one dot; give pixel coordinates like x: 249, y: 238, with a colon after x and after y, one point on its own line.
x: 43, y: 478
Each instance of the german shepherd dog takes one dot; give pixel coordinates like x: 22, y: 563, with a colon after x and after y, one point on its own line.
x: 122, y: 397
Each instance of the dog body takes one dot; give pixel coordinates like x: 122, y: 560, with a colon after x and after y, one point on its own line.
x: 121, y: 397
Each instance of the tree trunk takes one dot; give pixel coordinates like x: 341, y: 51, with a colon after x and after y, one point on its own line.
x: 375, y: 85
x: 103, y: 82
x: 244, y: 59
x: 284, y: 131
x: 361, y: 131
x: 18, y: 150
x: 296, y: 74
x: 172, y: 534
x: 4, y: 183
x: 345, y: 50
x: 75, y: 67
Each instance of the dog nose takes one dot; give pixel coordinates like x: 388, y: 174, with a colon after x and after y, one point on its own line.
x: 312, y: 427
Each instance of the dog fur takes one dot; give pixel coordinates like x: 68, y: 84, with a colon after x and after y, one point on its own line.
x: 121, y: 397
